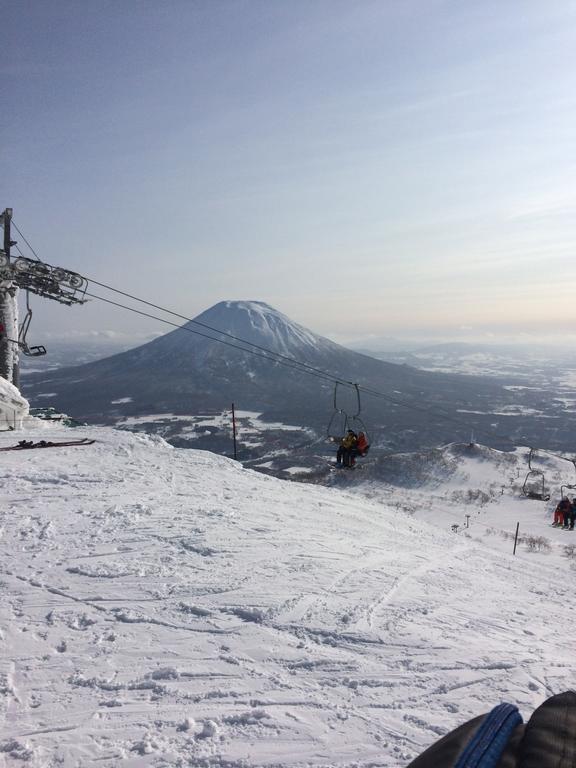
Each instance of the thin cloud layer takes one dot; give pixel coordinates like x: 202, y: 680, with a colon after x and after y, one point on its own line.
x: 382, y: 168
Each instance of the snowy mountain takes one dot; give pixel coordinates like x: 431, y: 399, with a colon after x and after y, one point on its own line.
x: 184, y: 374
x: 261, y: 324
x: 168, y: 607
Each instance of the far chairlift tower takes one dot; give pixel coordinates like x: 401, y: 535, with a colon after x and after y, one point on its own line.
x: 32, y: 276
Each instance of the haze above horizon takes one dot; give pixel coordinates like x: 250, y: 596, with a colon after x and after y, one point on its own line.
x: 399, y: 168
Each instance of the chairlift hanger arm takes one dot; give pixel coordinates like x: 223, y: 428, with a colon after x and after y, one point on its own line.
x: 25, y: 325
x: 34, y: 351
x: 344, y: 420
x: 358, y: 402
x: 356, y: 388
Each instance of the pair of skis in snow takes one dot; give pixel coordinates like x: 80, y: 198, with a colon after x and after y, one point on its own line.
x: 27, y: 445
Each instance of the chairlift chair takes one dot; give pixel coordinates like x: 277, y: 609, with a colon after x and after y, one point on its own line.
x: 341, y: 421
x: 534, y: 487
x: 568, y: 486
x: 34, y: 351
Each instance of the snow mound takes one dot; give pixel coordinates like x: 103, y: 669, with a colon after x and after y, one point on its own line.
x: 13, y: 407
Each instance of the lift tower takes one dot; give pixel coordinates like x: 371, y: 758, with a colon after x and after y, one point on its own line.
x: 61, y: 285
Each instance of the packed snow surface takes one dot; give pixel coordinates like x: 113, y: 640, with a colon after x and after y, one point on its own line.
x: 167, y: 607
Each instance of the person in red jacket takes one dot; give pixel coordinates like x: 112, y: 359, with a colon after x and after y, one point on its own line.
x: 362, y: 444
x: 561, y: 513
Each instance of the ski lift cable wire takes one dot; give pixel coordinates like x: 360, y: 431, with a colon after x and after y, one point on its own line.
x: 26, y: 241
x: 291, y: 362
x: 305, y: 367
x: 269, y: 354
x: 319, y: 374
x: 272, y: 356
x: 554, y: 455
x: 20, y: 251
x: 232, y: 336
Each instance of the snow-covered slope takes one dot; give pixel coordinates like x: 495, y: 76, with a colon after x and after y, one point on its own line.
x: 167, y: 607
x: 445, y: 485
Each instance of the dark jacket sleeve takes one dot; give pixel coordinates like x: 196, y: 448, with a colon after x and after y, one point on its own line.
x: 548, y: 740
x: 445, y: 753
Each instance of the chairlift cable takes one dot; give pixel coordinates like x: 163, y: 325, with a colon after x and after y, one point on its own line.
x: 269, y: 352
x: 289, y: 363
x: 272, y: 356
x: 26, y: 241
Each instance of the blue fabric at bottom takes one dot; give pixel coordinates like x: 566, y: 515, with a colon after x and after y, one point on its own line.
x: 488, y: 743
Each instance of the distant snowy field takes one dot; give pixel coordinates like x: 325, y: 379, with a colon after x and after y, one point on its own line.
x: 166, y: 607
x: 249, y: 424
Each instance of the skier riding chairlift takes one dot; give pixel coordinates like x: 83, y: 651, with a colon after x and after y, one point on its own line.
x: 349, y: 431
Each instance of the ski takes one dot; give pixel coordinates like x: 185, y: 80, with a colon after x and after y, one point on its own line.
x: 335, y: 465
x: 28, y: 445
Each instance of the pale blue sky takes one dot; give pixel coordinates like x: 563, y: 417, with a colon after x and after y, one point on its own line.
x: 365, y: 167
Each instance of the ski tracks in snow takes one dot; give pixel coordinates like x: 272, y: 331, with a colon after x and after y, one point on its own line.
x: 168, y: 607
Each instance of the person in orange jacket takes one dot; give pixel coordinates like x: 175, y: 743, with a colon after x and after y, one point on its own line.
x: 362, y: 444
